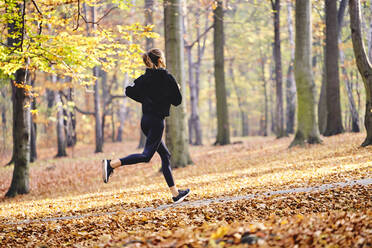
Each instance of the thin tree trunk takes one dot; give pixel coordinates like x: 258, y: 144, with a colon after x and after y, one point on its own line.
x: 192, y: 92
x: 243, y: 118
x: 71, y: 123
x: 61, y: 135
x: 266, y: 103
x: 197, y: 66
x: 97, y: 113
x: 307, y: 128
x: 176, y: 127
x: 279, y: 115
x: 223, y: 126
x: 290, y: 83
x: 103, y: 77
x: 322, y: 104
x: 97, y: 107
x: 363, y: 63
x: 334, y: 120
x: 33, y: 152
x: 149, y: 10
x: 122, y: 113
x: 112, y: 124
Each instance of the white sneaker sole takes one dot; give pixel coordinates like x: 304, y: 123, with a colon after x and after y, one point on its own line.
x: 182, y: 198
x: 104, y: 170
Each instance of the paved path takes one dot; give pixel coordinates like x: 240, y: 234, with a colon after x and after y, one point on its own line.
x: 203, y: 202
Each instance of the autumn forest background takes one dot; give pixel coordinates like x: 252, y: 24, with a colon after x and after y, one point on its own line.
x: 272, y: 137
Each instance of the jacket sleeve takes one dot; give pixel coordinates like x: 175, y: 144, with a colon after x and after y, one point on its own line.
x: 134, y: 90
x: 176, y: 97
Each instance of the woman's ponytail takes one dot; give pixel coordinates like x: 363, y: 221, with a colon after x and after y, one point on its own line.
x: 154, y: 58
x: 147, y: 60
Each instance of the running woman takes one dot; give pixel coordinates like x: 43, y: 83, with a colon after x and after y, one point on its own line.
x: 156, y: 90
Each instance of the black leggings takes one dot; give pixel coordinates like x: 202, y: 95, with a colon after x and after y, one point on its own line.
x: 153, y: 126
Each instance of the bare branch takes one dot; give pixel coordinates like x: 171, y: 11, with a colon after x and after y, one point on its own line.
x: 200, y: 36
x: 83, y: 111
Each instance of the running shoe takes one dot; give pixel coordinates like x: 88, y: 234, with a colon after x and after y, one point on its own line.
x: 106, y: 170
x: 182, y: 194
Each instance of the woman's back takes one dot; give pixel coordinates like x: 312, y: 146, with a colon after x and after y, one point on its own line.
x: 156, y: 90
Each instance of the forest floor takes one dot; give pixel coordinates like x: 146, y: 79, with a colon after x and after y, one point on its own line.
x: 128, y: 212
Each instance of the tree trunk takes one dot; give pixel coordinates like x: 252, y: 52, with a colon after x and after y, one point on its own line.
x: 61, y: 135
x: 363, y: 63
x: 97, y: 107
x: 266, y: 103
x: 352, y: 106
x: 223, y: 128
x: 369, y: 36
x: 21, y: 137
x: 4, y: 119
x: 290, y: 84
x: 334, y: 120
x: 21, y: 118
x: 103, y: 77
x: 197, y: 66
x: 322, y: 104
x: 122, y: 114
x: 149, y: 9
x: 307, y: 128
x: 243, y: 117
x: 71, y: 120
x: 176, y: 127
x: 279, y: 115
x: 33, y: 152
x: 194, y: 121
x: 97, y: 112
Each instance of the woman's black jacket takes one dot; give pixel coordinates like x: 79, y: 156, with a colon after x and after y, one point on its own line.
x: 157, y: 89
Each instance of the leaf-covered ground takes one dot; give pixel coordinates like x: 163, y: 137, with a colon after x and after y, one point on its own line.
x: 340, y: 217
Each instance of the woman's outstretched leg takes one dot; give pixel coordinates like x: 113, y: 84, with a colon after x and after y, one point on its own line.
x: 178, y: 195
x: 153, y: 129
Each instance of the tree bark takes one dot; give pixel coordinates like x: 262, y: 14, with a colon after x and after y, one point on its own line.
x: 322, y: 104
x: 4, y: 119
x: 149, y: 9
x: 103, y: 77
x: 70, y: 126
x: 334, y: 120
x: 369, y: 36
x: 243, y: 116
x: 21, y: 119
x: 176, y: 127
x: 307, y: 128
x: 266, y: 99
x: 352, y: 106
x: 194, y: 121
x: 223, y: 127
x: 97, y: 113
x: 363, y: 63
x: 33, y: 151
x: 97, y: 107
x: 61, y: 135
x: 122, y: 113
x: 290, y: 83
x: 21, y: 138
x: 279, y: 115
x: 197, y: 65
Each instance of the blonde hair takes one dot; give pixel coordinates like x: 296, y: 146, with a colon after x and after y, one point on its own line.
x: 154, y: 58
